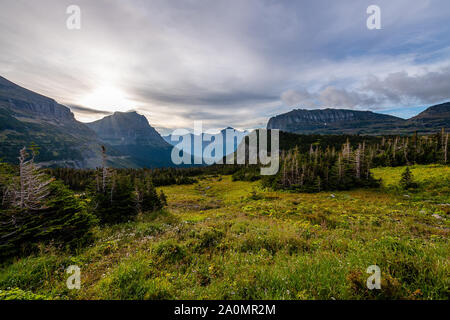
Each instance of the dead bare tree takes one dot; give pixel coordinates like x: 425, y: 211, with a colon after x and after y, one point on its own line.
x: 32, y: 187
x: 358, y: 162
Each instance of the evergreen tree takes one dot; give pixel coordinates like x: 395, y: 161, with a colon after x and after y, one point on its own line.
x: 150, y: 198
x: 61, y: 219
x: 407, y: 180
x: 163, y: 198
x: 116, y: 203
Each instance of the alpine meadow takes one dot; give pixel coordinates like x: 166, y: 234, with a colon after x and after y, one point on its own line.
x: 224, y: 155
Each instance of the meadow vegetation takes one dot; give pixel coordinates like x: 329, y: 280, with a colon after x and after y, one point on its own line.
x: 224, y: 239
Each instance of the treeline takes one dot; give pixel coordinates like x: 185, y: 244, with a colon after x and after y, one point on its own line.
x: 303, y: 142
x: 348, y: 167
x: 81, y: 179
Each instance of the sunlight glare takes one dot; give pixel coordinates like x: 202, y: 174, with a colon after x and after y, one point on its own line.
x: 107, y: 98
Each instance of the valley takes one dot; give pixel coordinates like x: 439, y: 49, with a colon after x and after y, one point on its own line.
x: 219, y: 239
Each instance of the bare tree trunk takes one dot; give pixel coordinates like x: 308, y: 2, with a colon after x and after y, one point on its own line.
x: 358, y: 162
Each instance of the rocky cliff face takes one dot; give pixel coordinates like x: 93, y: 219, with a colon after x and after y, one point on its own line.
x: 341, y: 121
x: 127, y: 128
x: 27, y: 117
x: 306, y: 121
x: 28, y: 104
x: 132, y: 135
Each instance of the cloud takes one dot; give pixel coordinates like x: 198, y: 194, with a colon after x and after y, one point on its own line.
x: 88, y: 111
x: 341, y: 98
x: 228, y: 62
x: 293, y: 97
x: 330, y: 97
x: 401, y: 87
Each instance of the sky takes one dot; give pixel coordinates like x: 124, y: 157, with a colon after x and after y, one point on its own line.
x: 228, y: 62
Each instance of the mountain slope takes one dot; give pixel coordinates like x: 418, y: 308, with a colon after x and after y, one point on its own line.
x: 434, y: 117
x: 132, y: 135
x: 27, y: 117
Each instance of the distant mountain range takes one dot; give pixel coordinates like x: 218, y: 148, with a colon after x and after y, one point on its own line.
x: 341, y: 121
x: 29, y: 118
x: 207, y: 139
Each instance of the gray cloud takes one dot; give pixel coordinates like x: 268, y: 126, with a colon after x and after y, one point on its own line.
x: 401, y: 87
x: 335, y: 97
x: 88, y: 111
x: 330, y: 97
x: 293, y: 97
x: 227, y: 62
x: 425, y: 87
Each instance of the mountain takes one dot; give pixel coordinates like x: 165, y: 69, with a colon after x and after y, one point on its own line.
x: 332, y: 121
x: 437, y: 116
x: 125, y: 128
x: 27, y: 117
x: 134, y: 138
x: 341, y: 121
x: 208, y: 139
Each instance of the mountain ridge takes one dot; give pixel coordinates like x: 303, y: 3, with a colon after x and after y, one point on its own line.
x: 344, y: 121
x: 132, y: 135
x: 27, y: 117
x: 126, y: 128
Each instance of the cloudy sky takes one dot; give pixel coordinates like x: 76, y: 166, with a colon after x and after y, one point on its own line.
x: 228, y: 62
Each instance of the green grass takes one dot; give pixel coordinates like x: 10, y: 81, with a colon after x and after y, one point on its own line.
x: 220, y: 239
x: 433, y: 181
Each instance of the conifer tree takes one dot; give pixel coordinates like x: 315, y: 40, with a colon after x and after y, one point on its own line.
x: 407, y: 180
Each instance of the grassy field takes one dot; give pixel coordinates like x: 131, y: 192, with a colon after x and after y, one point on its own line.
x: 219, y: 239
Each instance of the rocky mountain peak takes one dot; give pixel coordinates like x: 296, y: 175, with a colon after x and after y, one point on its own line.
x: 127, y: 128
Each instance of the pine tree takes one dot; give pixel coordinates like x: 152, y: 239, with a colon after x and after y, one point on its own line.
x: 407, y: 180
x: 163, y: 198
x: 150, y: 198
x: 117, y: 203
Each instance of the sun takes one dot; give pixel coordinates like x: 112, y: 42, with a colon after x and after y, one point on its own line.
x: 107, y: 98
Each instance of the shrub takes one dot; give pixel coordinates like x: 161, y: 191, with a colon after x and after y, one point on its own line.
x: 208, y: 238
x: 170, y: 251
x: 18, y: 294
